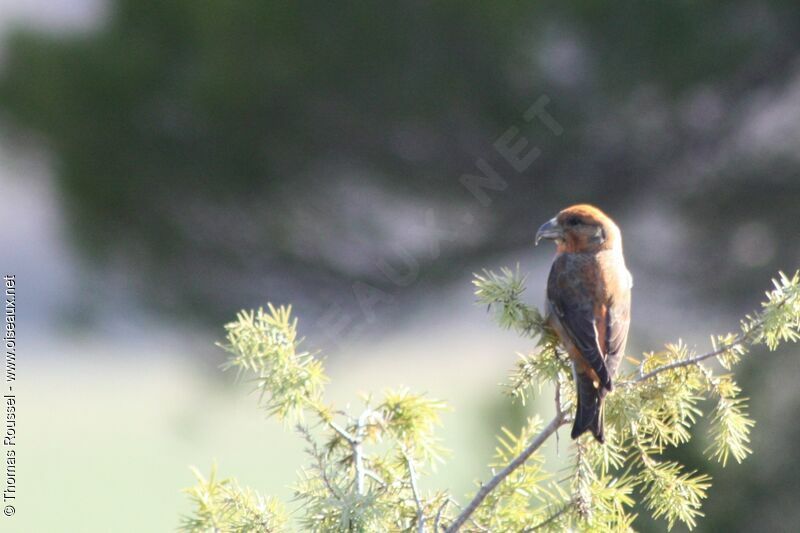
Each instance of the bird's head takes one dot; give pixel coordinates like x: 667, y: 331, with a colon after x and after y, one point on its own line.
x: 581, y: 228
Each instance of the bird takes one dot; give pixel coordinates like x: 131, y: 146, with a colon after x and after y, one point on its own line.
x: 588, y: 305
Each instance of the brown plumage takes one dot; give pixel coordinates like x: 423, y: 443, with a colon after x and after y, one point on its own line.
x: 588, y: 304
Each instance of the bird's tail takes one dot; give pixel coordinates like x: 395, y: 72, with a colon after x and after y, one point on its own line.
x: 589, y: 415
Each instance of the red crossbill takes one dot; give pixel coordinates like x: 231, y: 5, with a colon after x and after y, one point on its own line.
x: 588, y: 304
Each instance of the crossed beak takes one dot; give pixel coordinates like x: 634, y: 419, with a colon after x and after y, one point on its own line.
x: 549, y: 230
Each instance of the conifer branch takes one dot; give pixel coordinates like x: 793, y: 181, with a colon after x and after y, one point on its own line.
x: 358, y: 452
x: 503, y: 292
x: 412, y: 478
x: 738, y: 341
x: 347, y: 490
x: 351, y: 440
x: 558, y: 420
x: 787, y: 294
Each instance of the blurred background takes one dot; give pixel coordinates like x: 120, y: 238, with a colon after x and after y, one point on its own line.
x: 165, y: 164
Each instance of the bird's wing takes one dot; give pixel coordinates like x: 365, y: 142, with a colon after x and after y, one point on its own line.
x: 619, y: 318
x: 570, y: 296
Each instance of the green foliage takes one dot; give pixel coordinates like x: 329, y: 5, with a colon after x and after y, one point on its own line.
x: 672, y: 493
x: 779, y: 319
x: 508, y: 507
x: 221, y: 505
x: 730, y: 430
x: 265, y: 344
x: 500, y: 293
x: 365, y: 469
x: 600, y: 501
x: 411, y: 420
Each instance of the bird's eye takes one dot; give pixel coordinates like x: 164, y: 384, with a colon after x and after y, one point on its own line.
x: 573, y: 221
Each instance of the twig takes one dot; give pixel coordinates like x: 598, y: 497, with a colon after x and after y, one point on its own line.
x: 355, y: 443
x: 439, y: 512
x: 740, y: 339
x: 749, y: 336
x: 315, y: 453
x: 358, y: 451
x: 558, y: 420
x: 558, y: 407
x: 412, y: 474
x: 343, y: 432
x: 375, y: 477
x: 582, y: 479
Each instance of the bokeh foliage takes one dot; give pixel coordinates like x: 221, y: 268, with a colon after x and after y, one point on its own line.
x: 193, y: 133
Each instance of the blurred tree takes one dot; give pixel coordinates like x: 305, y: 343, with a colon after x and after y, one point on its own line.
x: 210, y: 140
